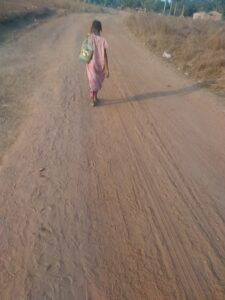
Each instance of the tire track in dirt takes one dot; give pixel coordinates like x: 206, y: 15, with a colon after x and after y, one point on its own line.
x: 183, y: 181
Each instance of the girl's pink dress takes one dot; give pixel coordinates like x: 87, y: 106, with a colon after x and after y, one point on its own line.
x: 95, y: 69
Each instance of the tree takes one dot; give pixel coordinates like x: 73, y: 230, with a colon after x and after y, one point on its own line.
x: 183, y: 9
x: 164, y: 9
x: 171, y: 6
x: 174, y: 7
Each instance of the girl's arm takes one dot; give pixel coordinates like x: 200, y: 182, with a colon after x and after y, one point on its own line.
x: 106, y: 65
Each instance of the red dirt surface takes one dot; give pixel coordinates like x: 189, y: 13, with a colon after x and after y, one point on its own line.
x: 122, y: 201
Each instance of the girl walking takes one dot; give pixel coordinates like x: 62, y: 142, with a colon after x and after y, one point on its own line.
x: 98, y: 67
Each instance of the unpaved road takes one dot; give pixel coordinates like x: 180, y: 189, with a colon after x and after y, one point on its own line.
x: 123, y: 201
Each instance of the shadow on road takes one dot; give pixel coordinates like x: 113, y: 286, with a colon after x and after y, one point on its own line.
x: 151, y: 95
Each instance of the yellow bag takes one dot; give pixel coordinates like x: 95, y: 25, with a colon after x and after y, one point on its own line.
x: 86, y: 51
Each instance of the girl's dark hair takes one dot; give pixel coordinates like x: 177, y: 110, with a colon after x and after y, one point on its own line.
x: 96, y: 26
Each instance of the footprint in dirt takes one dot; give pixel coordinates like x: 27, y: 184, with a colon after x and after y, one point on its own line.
x: 42, y: 172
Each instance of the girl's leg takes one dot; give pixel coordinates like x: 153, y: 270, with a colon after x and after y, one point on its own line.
x: 95, y: 97
x: 92, y: 98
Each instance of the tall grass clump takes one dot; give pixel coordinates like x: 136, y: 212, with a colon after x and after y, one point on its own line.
x: 197, y: 47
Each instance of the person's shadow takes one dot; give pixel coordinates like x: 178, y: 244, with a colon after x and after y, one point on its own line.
x: 149, y: 96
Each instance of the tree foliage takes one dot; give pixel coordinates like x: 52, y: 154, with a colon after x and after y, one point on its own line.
x: 172, y: 7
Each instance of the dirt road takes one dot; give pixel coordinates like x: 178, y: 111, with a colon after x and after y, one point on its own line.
x: 124, y: 201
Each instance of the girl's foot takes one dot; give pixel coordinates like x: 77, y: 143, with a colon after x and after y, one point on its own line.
x: 95, y: 98
x: 92, y: 102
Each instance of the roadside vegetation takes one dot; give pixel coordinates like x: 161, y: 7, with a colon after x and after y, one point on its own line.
x: 10, y: 9
x: 13, y: 8
x: 197, y: 47
x: 168, y: 7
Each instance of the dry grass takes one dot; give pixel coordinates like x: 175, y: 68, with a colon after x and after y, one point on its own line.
x: 197, y: 47
x: 14, y: 8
